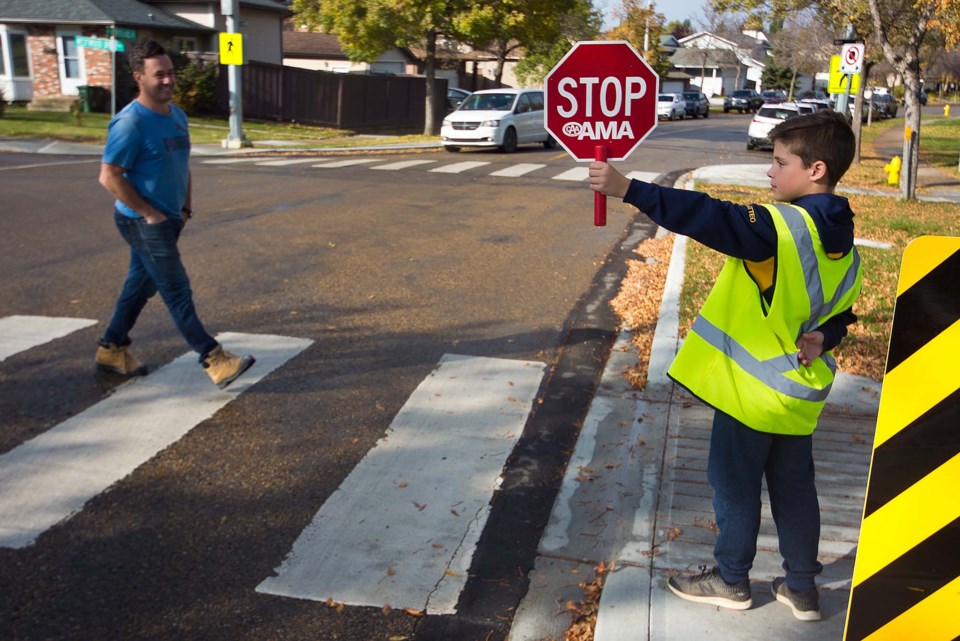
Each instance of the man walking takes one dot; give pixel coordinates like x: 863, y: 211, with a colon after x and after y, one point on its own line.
x: 145, y: 166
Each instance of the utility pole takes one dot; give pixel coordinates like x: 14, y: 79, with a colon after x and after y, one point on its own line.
x: 235, y: 140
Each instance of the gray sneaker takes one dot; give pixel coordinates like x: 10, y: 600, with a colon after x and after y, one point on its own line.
x: 805, y: 605
x: 709, y: 587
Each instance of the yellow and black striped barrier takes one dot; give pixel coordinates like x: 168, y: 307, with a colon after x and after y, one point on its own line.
x: 906, y: 579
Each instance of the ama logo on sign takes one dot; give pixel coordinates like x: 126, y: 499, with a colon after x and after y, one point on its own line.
x: 601, y: 94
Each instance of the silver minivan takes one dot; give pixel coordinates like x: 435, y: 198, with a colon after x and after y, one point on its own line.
x: 501, y: 118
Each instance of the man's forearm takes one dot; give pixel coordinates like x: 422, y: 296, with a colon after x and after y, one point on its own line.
x: 121, y: 189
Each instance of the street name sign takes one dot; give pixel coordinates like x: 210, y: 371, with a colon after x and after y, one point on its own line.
x: 123, y: 34
x: 98, y: 43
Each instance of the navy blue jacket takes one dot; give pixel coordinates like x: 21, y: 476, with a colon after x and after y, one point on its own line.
x: 747, y: 231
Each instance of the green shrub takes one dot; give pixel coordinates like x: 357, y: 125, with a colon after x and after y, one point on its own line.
x: 196, y: 89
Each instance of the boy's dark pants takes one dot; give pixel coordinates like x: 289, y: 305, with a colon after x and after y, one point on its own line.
x: 739, y: 459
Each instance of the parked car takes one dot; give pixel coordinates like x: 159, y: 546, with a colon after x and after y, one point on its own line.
x: 502, y: 118
x: 887, y: 103
x: 818, y: 103
x: 455, y: 96
x: 814, y: 94
x: 671, y: 105
x: 774, y: 96
x: 696, y: 104
x: 742, y: 100
x: 766, y: 118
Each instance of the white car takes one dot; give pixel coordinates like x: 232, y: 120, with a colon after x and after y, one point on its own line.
x: 766, y: 118
x: 502, y: 118
x: 671, y: 105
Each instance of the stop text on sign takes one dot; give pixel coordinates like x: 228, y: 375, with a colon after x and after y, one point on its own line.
x: 632, y: 88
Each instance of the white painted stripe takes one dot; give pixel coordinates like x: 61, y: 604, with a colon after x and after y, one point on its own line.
x: 459, y: 167
x: 229, y: 161
x: 19, y: 333
x: 402, y: 529
x: 645, y: 176
x: 49, y: 478
x: 518, y: 170
x: 50, y: 164
x: 284, y: 163
x: 577, y: 173
x: 346, y: 163
x: 403, y: 164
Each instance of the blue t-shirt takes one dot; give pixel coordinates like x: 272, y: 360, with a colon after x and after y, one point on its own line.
x: 155, y: 151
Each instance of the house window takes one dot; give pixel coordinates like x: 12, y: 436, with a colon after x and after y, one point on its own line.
x: 14, y: 58
x: 186, y: 44
x: 71, y: 57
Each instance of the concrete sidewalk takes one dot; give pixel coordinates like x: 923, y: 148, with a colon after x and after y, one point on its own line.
x: 636, y: 496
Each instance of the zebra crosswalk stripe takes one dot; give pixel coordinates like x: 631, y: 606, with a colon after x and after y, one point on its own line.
x: 345, y: 163
x: 403, y: 164
x: 577, y: 173
x: 20, y: 333
x: 50, y: 477
x: 402, y: 528
x: 513, y: 171
x: 906, y: 579
x: 287, y: 162
x: 459, y: 167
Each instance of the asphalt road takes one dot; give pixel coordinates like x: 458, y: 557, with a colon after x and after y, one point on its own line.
x: 386, y: 271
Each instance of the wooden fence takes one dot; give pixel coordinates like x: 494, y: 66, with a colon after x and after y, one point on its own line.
x: 342, y: 101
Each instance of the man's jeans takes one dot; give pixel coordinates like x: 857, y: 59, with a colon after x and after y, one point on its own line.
x: 739, y: 459
x: 155, y: 266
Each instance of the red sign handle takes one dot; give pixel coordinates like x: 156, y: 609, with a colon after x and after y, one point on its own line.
x: 600, y: 200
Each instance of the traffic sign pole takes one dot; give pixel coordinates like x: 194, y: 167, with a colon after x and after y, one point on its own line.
x: 600, y: 200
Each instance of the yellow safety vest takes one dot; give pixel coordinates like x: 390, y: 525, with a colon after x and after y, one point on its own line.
x: 741, y: 357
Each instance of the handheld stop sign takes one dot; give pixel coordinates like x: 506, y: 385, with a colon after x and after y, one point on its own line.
x: 600, y: 102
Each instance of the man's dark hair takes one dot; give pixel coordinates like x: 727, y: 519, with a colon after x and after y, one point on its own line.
x: 824, y: 135
x: 142, y: 51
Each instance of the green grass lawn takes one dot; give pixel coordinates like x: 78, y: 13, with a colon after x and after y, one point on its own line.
x: 92, y: 127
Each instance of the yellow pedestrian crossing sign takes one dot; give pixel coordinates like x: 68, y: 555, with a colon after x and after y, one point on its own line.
x: 838, y: 79
x: 231, y: 48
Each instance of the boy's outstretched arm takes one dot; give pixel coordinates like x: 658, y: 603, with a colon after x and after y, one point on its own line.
x: 607, y: 180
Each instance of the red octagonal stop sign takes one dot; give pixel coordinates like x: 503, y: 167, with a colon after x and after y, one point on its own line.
x: 601, y: 93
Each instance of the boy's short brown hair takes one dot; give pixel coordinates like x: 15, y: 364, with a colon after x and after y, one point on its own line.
x: 824, y: 135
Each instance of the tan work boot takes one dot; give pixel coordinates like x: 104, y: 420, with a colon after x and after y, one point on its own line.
x: 224, y: 367
x: 117, y: 359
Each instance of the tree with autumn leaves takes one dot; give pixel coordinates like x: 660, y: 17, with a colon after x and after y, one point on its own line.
x: 367, y: 28
x: 898, y: 28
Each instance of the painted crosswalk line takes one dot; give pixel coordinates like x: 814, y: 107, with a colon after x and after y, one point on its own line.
x: 577, y: 173
x: 403, y: 164
x: 645, y: 176
x: 460, y: 167
x: 289, y: 161
x: 20, y: 333
x: 345, y: 163
x: 517, y: 170
x: 402, y: 528
x: 49, y: 478
x: 230, y: 161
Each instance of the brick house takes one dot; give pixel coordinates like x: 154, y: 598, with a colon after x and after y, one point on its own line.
x: 41, y: 65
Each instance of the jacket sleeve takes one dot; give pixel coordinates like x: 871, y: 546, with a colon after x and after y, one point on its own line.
x: 741, y: 231
x: 835, y: 329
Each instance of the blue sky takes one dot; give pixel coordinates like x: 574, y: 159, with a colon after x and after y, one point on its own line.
x: 672, y: 9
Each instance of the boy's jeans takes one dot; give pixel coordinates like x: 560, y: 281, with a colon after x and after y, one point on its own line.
x: 155, y: 265
x: 739, y: 459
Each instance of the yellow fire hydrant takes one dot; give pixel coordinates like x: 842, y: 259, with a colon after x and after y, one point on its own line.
x: 946, y: 111
x: 893, y: 171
